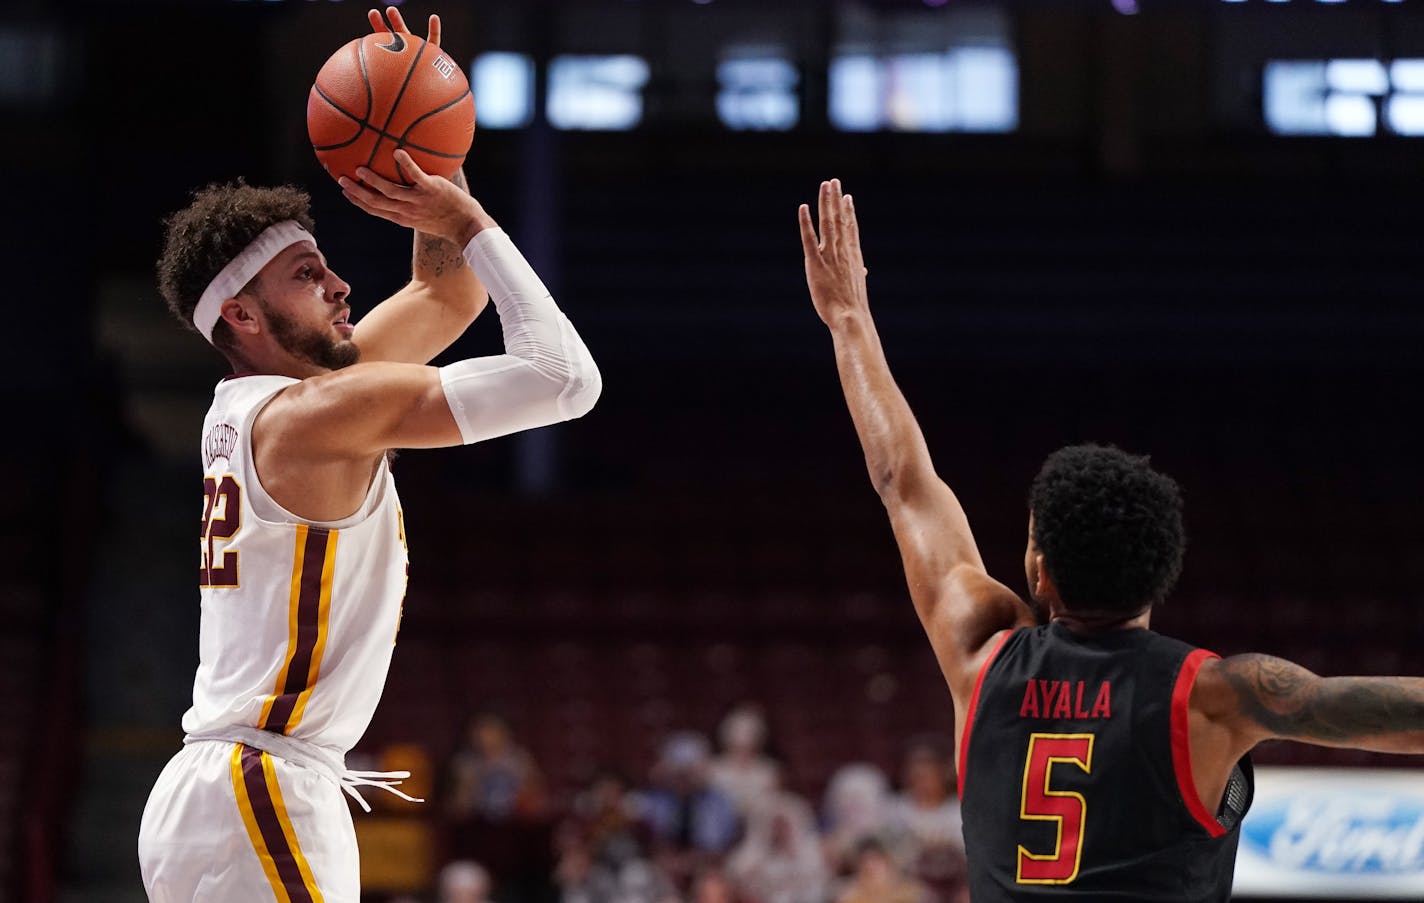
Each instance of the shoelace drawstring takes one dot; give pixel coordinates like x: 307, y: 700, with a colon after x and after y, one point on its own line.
x: 386, y: 780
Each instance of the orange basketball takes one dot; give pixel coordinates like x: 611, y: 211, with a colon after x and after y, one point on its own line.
x: 388, y: 91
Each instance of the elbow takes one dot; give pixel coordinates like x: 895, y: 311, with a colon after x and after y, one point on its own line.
x: 888, y: 481
x: 581, y: 390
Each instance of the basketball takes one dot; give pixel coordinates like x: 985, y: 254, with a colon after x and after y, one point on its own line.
x: 387, y: 91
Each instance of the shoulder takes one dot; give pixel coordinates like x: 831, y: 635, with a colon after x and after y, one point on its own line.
x: 979, y: 613
x: 1220, y: 681
x: 345, y: 384
x: 248, y: 390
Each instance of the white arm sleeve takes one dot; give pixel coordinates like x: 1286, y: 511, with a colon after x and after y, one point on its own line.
x: 546, y: 374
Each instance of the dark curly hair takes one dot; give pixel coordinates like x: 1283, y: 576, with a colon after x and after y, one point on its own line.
x: 204, y: 236
x: 1109, y: 527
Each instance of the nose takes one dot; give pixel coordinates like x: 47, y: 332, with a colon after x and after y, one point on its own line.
x: 337, y: 288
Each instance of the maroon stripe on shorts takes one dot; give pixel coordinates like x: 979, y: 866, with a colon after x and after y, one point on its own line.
x: 266, y: 813
x: 308, y: 626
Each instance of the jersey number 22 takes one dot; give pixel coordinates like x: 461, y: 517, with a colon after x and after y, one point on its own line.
x: 222, y: 518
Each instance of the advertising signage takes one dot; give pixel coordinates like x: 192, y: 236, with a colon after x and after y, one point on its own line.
x: 1331, y: 833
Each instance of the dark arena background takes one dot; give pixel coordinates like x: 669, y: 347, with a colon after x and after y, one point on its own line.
x: 1191, y: 229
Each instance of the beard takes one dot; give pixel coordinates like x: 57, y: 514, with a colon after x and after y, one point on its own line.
x: 310, y: 344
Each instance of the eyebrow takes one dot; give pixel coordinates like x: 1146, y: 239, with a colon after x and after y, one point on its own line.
x: 304, y: 254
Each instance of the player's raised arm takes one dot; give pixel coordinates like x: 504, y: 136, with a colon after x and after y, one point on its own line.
x: 1260, y: 697
x: 443, y: 296
x: 545, y: 376
x: 961, y: 606
x: 442, y: 299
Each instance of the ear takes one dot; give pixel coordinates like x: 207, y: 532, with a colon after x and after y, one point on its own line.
x: 1044, y: 587
x: 240, y: 315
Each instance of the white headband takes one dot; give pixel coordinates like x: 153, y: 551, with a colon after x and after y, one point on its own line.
x: 270, y: 242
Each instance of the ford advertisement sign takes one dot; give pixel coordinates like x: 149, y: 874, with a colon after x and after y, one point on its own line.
x: 1330, y: 833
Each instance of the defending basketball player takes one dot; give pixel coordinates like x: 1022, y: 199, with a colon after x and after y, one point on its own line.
x: 303, y: 561
x: 1098, y: 759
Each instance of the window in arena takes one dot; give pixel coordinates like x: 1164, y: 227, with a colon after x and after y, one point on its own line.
x: 1345, y: 97
x: 599, y: 93
x: 965, y: 89
x: 944, y: 68
x: 756, y: 90
x: 504, y: 90
x: 1404, y: 111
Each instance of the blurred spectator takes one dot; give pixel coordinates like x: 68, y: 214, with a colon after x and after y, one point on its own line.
x: 464, y: 881
x: 742, y: 771
x: 856, y: 806
x: 779, y: 860
x: 497, y: 812
x: 692, y: 821
x: 712, y: 886
x: 581, y: 879
x: 605, y: 819
x: 491, y: 777
x: 924, y: 822
x: 877, y: 879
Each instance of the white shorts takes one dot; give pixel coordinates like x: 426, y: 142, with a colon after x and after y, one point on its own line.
x: 227, y: 823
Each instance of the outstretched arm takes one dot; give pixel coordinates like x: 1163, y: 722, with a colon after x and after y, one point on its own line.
x: 1265, y: 698
x: 545, y: 376
x: 960, y: 605
x: 444, y: 296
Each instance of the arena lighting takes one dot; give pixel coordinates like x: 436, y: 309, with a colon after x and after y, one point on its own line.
x: 1357, y: 76
x: 1407, y: 75
x: 965, y: 89
x: 1344, y: 97
x: 596, y: 93
x: 504, y: 90
x: 1405, y: 114
x: 757, y: 91
x: 1126, y: 7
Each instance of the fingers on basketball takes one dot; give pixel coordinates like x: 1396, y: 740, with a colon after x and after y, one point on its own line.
x: 409, y: 170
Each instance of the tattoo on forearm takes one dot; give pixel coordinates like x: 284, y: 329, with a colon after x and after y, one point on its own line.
x: 1291, y: 702
x: 437, y: 255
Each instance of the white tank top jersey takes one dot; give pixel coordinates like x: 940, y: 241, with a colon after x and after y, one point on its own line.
x: 299, y: 618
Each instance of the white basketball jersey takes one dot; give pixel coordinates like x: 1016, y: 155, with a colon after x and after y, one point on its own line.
x: 299, y: 618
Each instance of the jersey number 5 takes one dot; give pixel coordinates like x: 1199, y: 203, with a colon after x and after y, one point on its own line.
x: 222, y: 518
x: 1065, y: 808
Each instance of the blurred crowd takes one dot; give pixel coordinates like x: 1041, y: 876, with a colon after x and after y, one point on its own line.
x: 704, y: 825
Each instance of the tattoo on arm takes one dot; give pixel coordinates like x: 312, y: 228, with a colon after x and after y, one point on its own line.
x: 437, y: 255
x: 1290, y: 701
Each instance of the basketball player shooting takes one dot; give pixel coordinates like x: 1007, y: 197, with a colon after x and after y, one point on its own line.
x: 303, y: 563
x: 1097, y: 759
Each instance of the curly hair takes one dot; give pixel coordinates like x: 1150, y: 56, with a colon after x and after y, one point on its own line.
x: 1109, y: 527
x: 205, y: 236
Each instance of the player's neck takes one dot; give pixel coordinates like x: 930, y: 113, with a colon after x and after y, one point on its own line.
x: 278, y: 363
x: 1100, y: 621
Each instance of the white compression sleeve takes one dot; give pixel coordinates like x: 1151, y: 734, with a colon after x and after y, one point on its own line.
x: 546, y: 374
